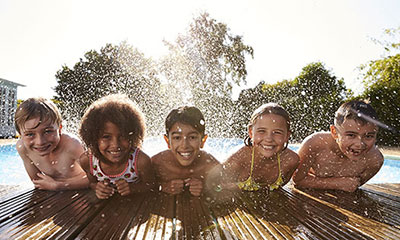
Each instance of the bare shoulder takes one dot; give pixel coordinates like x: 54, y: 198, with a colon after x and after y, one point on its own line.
x: 316, y: 141
x: 84, y: 160
x: 143, y: 157
x: 239, y: 156
x: 208, y: 158
x: 290, y: 157
x: 375, y: 157
x: 160, y: 157
x: 20, y: 147
x: 70, y: 140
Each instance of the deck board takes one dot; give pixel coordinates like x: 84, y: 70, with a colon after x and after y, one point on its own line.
x: 372, y: 212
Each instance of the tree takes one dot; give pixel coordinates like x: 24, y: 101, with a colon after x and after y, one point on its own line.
x: 115, y: 69
x: 204, y: 64
x: 382, y: 88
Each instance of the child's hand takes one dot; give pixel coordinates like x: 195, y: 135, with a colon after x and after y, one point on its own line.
x: 173, y: 187
x: 123, y: 187
x: 195, y: 186
x: 104, y: 190
x: 45, y: 182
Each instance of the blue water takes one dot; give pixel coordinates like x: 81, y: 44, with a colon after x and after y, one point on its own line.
x: 12, y: 171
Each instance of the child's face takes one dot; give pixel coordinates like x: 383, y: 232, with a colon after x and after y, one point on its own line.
x: 354, y: 138
x: 40, y: 137
x: 113, y: 145
x: 269, y: 134
x: 185, y: 142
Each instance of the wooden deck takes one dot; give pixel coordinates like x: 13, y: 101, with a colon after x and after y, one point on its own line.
x: 373, y: 212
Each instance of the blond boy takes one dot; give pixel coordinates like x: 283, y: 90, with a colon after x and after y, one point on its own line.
x: 49, y: 155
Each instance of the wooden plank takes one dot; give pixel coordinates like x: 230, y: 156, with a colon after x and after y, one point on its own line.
x: 51, y: 217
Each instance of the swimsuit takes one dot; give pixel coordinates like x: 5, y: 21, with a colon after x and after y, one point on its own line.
x: 129, y: 174
x: 251, y: 185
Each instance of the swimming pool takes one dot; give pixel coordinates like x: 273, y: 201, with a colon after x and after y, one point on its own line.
x: 12, y: 171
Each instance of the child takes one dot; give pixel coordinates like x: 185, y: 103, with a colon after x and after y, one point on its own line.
x: 184, y: 164
x: 49, y: 155
x: 264, y: 162
x: 345, y: 158
x: 113, y: 129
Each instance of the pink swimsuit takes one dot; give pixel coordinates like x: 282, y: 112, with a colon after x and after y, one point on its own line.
x: 129, y: 174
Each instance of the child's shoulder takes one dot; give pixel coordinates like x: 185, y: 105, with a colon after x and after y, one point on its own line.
x: 208, y: 157
x: 318, y: 139
x: 161, y: 156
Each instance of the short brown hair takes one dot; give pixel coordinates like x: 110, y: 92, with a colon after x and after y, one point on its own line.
x: 358, y: 110
x: 36, y: 107
x: 117, y: 109
x: 187, y: 115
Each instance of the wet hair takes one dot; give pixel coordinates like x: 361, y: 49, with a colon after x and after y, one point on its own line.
x: 187, y: 115
x: 117, y: 109
x: 36, y: 107
x: 268, y: 108
x: 358, y: 110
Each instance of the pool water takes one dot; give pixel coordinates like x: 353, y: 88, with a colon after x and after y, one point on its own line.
x: 12, y: 171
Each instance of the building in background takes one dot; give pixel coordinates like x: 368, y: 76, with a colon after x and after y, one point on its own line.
x: 8, y: 105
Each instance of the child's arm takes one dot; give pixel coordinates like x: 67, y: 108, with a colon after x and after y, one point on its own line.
x: 102, y: 190
x: 30, y: 167
x: 290, y: 162
x: 232, y: 169
x: 146, y: 175
x: 373, y: 165
x: 304, y: 177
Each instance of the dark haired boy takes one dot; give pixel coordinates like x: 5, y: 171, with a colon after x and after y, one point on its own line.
x: 184, y: 164
x: 345, y: 158
x: 49, y: 155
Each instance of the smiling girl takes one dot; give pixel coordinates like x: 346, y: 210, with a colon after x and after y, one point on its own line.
x: 264, y: 161
x: 113, y: 129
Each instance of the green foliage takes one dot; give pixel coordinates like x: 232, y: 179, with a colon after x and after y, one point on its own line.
x: 383, y: 89
x: 202, y: 68
x: 115, y: 69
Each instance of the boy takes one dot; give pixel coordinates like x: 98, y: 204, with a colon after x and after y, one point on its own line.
x: 49, y: 156
x: 184, y: 165
x: 345, y: 158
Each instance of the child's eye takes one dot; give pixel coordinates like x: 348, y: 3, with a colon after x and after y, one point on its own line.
x: 277, y: 132
x: 176, y: 137
x: 193, y: 137
x: 48, y: 131
x: 371, y: 136
x: 29, y: 134
x: 351, y: 135
x: 106, y: 137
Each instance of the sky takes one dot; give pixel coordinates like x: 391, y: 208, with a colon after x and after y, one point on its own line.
x: 39, y: 37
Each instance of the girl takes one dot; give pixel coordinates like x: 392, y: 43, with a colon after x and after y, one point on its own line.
x: 113, y: 130
x: 264, y: 161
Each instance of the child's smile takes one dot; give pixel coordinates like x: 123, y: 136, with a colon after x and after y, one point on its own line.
x: 40, y: 137
x: 185, y: 143
x: 354, y: 138
x: 269, y: 134
x: 113, y: 145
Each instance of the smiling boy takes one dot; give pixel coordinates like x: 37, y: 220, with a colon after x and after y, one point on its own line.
x: 49, y: 155
x: 184, y: 164
x: 345, y: 158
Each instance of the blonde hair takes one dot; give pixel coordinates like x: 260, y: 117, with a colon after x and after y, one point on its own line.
x: 36, y: 107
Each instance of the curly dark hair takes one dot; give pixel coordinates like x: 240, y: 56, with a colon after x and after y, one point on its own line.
x: 117, y: 109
